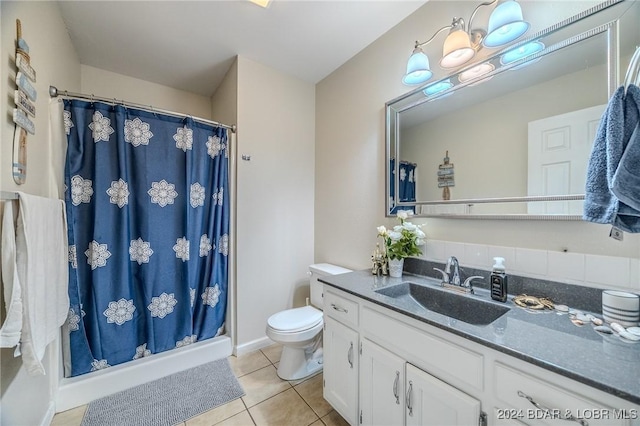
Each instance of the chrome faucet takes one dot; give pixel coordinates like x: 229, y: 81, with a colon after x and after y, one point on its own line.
x: 454, y: 278
x: 451, y: 277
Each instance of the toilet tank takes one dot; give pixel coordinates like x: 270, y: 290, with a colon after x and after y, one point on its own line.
x: 319, y: 270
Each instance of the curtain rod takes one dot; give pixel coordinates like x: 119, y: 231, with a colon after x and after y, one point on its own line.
x: 54, y: 93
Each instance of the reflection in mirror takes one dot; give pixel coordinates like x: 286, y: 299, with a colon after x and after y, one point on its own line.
x: 510, y: 128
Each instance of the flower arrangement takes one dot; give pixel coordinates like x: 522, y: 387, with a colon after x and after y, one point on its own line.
x: 404, y: 240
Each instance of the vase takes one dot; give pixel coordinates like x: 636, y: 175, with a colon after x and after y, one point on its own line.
x: 395, y: 267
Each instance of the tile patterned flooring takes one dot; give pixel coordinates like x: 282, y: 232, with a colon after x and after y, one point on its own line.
x: 269, y: 400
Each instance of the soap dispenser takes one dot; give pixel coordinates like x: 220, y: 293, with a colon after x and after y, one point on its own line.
x: 499, y: 280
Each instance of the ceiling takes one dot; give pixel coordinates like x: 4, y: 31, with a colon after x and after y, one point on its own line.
x: 190, y: 45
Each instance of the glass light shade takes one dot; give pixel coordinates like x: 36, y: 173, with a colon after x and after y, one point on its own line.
x: 505, y: 24
x: 418, y: 70
x: 522, y: 52
x: 457, y: 49
x: 438, y: 87
x: 475, y: 72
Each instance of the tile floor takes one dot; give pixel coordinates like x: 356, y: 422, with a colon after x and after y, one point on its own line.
x: 269, y: 400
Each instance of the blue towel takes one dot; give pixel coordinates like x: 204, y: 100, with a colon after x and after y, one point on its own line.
x: 626, y: 180
x: 616, y: 128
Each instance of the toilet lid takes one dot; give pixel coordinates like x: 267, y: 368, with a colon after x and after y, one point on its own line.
x: 296, y: 319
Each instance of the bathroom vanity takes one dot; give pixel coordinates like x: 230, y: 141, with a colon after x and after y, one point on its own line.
x: 389, y: 360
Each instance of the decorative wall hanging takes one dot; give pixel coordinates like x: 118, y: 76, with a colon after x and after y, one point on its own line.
x: 24, y: 97
x: 445, y: 177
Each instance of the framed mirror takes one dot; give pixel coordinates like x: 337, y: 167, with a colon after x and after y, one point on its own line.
x: 514, y: 142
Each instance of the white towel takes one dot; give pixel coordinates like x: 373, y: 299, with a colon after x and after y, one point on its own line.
x: 10, y: 331
x: 41, y: 259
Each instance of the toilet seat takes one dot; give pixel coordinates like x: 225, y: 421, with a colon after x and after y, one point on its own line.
x: 295, y: 320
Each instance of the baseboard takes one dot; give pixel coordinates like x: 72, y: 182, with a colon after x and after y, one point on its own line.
x: 253, y: 345
x: 48, y: 417
x: 76, y: 391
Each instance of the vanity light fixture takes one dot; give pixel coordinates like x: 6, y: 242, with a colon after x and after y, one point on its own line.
x: 476, y: 72
x: 261, y: 3
x: 461, y: 43
x: 520, y: 52
x: 505, y: 24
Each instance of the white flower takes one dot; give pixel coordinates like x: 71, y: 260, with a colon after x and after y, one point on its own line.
x: 403, y: 214
x: 197, y: 195
x: 192, y: 294
x: 394, y: 235
x: 73, y: 257
x: 409, y: 226
x: 211, y: 295
x: 411, y: 176
x: 140, y: 251
x: 68, y: 124
x: 205, y: 245
x: 81, y: 190
x: 101, y: 127
x: 120, y: 312
x: 162, y: 193
x: 214, y: 146
x: 137, y: 132
x: 99, y: 364
x: 403, y: 173
x: 187, y: 341
x: 382, y: 230
x: 162, y: 305
x: 217, y: 197
x: 118, y: 193
x: 183, y: 138
x: 223, y: 245
x: 97, y: 254
x: 182, y: 249
x: 73, y: 320
x: 142, y: 351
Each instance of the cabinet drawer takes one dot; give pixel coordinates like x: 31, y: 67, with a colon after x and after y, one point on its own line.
x: 340, y: 308
x: 449, y: 362
x: 555, y: 403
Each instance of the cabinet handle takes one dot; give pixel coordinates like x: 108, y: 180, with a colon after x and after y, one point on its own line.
x: 395, y: 387
x: 339, y: 308
x: 350, y: 355
x: 541, y: 407
x: 409, y: 396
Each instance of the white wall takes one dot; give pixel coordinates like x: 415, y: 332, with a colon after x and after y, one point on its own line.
x: 111, y: 85
x: 28, y: 400
x: 350, y: 172
x: 274, y: 196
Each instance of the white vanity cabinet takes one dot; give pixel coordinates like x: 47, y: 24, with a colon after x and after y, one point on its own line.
x: 431, y: 401
x: 341, y: 357
x: 383, y: 367
x: 382, y: 384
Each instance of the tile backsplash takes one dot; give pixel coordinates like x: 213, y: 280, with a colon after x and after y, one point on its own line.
x: 572, y: 268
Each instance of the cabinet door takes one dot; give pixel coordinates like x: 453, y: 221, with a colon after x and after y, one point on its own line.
x: 381, y: 386
x: 431, y: 401
x: 340, y: 349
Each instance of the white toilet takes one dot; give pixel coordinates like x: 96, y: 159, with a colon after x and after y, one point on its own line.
x: 299, y: 330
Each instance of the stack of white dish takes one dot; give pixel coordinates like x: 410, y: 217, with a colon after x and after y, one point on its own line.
x: 621, y: 307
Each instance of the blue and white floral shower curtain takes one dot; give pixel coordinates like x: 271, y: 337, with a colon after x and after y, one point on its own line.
x: 148, y: 219
x: 407, y: 184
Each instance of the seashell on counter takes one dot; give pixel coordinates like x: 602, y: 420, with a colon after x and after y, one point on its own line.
x: 617, y: 327
x: 603, y: 329
x: 629, y: 336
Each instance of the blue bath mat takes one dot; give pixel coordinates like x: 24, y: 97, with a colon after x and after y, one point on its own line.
x: 169, y: 400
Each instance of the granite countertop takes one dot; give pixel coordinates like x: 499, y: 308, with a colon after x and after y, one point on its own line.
x: 547, y: 339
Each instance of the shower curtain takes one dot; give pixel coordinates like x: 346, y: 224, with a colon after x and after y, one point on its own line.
x: 407, y: 185
x: 148, y: 226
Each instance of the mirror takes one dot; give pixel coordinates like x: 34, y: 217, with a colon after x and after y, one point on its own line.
x: 515, y: 142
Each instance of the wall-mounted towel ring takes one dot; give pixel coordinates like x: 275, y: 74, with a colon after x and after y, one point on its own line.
x: 633, y: 71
